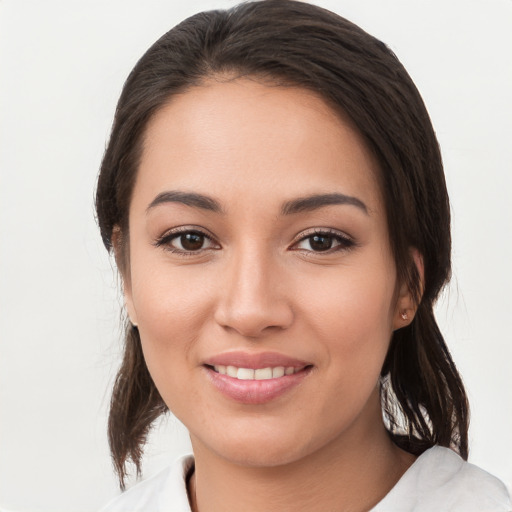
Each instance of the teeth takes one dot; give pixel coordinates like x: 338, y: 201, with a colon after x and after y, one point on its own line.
x: 259, y: 374
x: 262, y: 373
x: 278, y: 371
x: 245, y: 374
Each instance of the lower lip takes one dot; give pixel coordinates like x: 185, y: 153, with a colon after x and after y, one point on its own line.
x: 255, y: 391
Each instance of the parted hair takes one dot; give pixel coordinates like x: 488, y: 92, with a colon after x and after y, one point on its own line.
x: 291, y: 43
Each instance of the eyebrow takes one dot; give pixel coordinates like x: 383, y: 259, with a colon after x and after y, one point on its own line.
x: 299, y: 205
x: 313, y: 202
x: 187, y: 198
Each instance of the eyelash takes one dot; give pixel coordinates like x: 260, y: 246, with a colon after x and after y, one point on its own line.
x: 165, y: 240
x: 344, y: 242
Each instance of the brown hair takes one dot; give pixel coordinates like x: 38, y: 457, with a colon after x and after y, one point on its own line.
x: 294, y: 43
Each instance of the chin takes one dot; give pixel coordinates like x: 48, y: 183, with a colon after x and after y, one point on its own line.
x: 258, y: 456
x: 262, y: 448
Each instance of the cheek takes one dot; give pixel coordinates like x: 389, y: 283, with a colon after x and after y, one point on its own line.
x: 352, y: 319
x: 167, y: 297
x: 172, y: 308
x: 350, y: 303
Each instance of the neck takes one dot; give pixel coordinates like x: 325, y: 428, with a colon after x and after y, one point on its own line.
x: 352, y: 473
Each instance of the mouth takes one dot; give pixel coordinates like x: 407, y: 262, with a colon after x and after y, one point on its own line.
x: 255, y: 379
x: 267, y: 373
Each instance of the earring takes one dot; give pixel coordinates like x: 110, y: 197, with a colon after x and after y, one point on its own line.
x: 404, y: 315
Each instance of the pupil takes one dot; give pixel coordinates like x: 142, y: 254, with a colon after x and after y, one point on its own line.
x: 321, y: 243
x: 192, y: 241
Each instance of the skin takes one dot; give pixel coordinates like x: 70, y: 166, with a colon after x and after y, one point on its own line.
x: 258, y: 284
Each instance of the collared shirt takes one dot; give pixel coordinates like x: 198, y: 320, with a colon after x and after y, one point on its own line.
x: 438, y: 481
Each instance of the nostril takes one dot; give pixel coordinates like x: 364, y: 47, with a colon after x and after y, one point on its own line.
x: 254, y: 320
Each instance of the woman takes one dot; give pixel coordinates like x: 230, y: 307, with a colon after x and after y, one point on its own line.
x: 275, y: 199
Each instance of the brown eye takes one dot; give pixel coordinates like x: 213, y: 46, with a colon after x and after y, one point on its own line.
x: 191, y: 241
x: 321, y: 242
x: 324, y: 242
x: 186, y: 242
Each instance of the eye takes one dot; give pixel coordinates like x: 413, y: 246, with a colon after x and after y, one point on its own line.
x: 186, y: 241
x: 191, y: 241
x: 324, y: 241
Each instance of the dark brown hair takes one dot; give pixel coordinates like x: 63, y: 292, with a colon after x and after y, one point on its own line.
x: 293, y: 43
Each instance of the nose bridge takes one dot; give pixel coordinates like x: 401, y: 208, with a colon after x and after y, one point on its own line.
x: 252, y: 300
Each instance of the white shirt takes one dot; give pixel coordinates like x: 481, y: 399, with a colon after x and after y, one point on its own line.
x: 438, y: 481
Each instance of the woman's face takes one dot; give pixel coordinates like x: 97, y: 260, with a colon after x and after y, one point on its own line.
x: 260, y: 274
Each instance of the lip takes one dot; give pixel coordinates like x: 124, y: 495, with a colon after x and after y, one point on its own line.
x: 255, y: 392
x: 254, y: 361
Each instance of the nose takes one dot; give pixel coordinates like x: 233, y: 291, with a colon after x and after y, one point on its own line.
x: 253, y: 300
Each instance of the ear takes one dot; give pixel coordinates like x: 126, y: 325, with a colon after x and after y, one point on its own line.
x: 407, y: 303
x: 128, y: 302
x: 120, y: 245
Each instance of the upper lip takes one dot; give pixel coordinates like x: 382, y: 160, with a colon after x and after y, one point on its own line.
x: 254, y: 360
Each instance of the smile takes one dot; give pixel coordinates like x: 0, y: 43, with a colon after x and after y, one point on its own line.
x: 255, y: 379
x: 258, y: 374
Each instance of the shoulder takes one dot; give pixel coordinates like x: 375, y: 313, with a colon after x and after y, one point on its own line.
x: 441, y: 480
x: 164, y: 491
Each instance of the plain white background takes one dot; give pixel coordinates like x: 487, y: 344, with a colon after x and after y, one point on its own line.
x: 63, y: 64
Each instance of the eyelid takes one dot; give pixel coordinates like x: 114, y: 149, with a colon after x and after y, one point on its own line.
x: 164, y: 240
x: 321, y: 231
x: 172, y: 233
x: 348, y: 241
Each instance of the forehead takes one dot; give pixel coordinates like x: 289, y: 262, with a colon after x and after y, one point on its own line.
x: 254, y: 139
